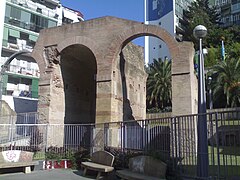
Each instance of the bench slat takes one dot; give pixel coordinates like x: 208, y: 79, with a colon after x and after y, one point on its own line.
x: 18, y: 164
x: 102, y: 161
x: 97, y: 167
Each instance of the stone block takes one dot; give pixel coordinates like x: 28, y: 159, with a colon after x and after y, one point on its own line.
x: 148, y: 165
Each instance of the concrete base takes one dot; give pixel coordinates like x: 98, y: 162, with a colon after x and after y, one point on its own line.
x: 27, y: 169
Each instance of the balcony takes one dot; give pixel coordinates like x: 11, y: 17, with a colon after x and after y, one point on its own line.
x: 224, y: 3
x: 31, y: 71
x: 42, y: 1
x: 53, y: 1
x: 235, y: 8
x: 44, y: 10
x: 16, y: 47
x: 20, y: 90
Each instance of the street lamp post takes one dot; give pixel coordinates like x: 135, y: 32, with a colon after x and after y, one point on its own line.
x: 210, y: 92
x: 202, y: 147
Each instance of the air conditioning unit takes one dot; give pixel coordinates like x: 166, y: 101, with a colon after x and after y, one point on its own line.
x: 13, y: 46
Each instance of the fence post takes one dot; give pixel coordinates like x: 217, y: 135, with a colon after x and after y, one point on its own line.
x: 91, y: 139
x: 144, y: 136
x: 46, y: 137
x: 106, y: 134
x: 11, y: 132
x: 176, y: 139
x: 123, y: 143
x: 172, y: 149
x: 217, y: 143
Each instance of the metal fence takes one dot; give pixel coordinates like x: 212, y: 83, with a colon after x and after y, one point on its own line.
x: 39, y: 138
x: 173, y: 140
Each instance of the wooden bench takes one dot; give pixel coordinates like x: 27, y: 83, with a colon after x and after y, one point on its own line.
x: 101, y: 161
x: 142, y: 168
x: 17, y: 158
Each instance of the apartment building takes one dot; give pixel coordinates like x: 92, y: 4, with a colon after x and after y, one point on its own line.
x: 229, y: 12
x: 20, y: 25
x: 167, y: 14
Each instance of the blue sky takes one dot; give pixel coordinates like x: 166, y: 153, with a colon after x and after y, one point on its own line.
x: 127, y: 9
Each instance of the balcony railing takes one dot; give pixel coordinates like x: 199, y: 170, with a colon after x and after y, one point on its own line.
x: 34, y: 6
x: 17, y: 69
x: 55, y: 1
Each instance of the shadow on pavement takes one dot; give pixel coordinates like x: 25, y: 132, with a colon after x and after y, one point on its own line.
x: 54, y: 174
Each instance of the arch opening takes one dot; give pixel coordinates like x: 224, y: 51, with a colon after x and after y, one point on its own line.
x: 20, y: 75
x: 133, y: 77
x: 78, y: 68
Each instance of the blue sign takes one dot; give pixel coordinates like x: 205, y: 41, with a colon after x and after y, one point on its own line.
x: 223, y: 51
x: 158, y: 8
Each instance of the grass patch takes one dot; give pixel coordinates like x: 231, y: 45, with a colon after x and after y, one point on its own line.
x: 227, y: 156
x: 228, y: 164
x: 221, y: 172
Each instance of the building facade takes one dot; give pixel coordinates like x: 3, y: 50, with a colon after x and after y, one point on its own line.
x: 167, y: 14
x: 229, y: 11
x: 20, y: 24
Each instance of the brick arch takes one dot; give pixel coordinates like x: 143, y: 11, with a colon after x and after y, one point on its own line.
x: 140, y: 30
x: 183, y: 78
x: 40, y: 61
x: 105, y: 37
x: 79, y: 40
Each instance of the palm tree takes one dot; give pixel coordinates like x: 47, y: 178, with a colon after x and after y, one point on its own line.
x: 159, y: 83
x: 227, y: 82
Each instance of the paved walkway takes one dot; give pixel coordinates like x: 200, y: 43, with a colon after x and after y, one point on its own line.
x: 56, y: 174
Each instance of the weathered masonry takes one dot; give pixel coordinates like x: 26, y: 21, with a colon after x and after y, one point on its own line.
x: 85, y: 77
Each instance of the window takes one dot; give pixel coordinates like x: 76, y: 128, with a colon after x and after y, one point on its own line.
x: 5, y: 36
x: 8, y: 11
x: 30, y: 43
x: 67, y: 21
x: 38, y: 23
x: 14, y: 33
x: 10, y: 35
x: 25, y: 16
x: 24, y: 36
x: 33, y: 38
x: 12, y: 40
x: 27, y: 20
x: 51, y: 23
x: 235, y: 8
x: 15, y: 13
x: 17, y: 17
x: 39, y: 10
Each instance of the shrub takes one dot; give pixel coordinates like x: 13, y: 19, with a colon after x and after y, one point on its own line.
x: 75, y: 156
x: 122, y: 156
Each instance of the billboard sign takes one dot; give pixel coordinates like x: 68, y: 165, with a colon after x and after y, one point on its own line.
x: 158, y: 8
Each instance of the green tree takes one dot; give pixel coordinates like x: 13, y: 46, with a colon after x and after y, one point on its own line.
x: 227, y: 81
x: 234, y: 31
x: 233, y: 50
x: 225, y: 74
x: 159, y: 83
x: 200, y: 13
x: 212, y: 57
